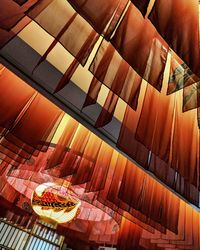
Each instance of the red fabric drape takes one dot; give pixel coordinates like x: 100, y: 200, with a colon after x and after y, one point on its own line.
x: 172, y: 161
x: 62, y: 146
x: 19, y: 95
x: 101, y: 168
x: 110, y: 69
x: 140, y: 45
x: 127, y: 141
x: 26, y: 135
x: 11, y: 13
x: 65, y: 29
x: 89, y: 43
x: 92, y: 93
x: 198, y: 115
x: 67, y: 76
x: 88, y: 159
x: 145, y: 195
x: 13, y: 18
x: 103, y: 15
x: 129, y: 236
x: 26, y: 127
x: 109, y: 196
x: 185, y: 139
x: 154, y: 129
x: 168, y: 17
x: 107, y: 111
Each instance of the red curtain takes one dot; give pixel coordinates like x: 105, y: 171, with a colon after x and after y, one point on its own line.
x: 198, y: 114
x: 19, y: 95
x: 155, y: 125
x: 110, y: 69
x: 89, y: 43
x: 103, y: 15
x: 107, y: 111
x: 26, y: 127
x: 13, y: 18
x: 185, y: 139
x: 140, y: 45
x: 127, y: 141
x: 129, y: 236
x: 11, y: 13
x: 65, y: 29
x: 169, y: 17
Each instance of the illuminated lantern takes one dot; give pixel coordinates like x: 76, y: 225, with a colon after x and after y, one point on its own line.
x: 55, y: 203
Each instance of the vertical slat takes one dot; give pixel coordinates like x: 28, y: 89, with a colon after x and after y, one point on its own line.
x: 13, y: 238
x: 44, y: 232
x: 1, y: 225
x: 44, y: 245
x: 30, y: 242
x: 10, y: 236
x: 47, y: 234
x: 20, y: 241
x: 55, y: 238
x: 17, y: 239
x: 3, y: 232
x: 47, y: 246
x: 5, y: 235
x: 36, y: 243
x: 40, y: 243
x: 25, y: 240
